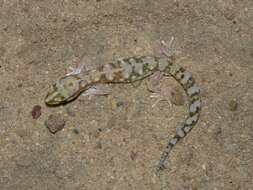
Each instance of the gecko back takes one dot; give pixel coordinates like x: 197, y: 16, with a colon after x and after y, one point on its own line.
x: 130, y: 70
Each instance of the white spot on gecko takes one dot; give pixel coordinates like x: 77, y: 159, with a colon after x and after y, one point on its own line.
x: 193, y: 90
x: 127, y: 69
x: 187, y: 77
x: 108, y: 70
x: 195, y: 106
x: 150, y: 61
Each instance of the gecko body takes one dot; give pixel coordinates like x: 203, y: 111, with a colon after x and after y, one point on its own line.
x: 129, y: 70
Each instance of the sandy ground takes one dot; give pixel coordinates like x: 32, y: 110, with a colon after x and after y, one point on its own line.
x: 115, y: 142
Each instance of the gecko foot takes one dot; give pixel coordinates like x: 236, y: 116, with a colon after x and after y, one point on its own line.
x: 76, y: 71
x: 167, y: 48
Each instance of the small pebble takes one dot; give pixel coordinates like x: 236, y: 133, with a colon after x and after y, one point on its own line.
x: 133, y: 155
x: 55, y: 123
x: 36, y: 112
x: 120, y: 103
x: 116, y: 104
x: 97, y: 132
x: 76, y: 131
x: 233, y: 105
x: 98, y: 145
x: 229, y: 15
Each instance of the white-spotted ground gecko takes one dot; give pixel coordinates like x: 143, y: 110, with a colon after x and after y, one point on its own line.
x: 129, y: 70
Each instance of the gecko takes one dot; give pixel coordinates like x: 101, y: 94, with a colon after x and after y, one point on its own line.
x: 129, y: 70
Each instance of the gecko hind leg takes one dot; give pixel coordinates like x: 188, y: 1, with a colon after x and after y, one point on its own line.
x: 154, y: 83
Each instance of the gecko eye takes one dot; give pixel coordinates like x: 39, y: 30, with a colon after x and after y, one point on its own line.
x: 70, y: 84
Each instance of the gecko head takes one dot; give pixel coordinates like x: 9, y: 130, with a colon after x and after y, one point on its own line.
x: 63, y: 91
